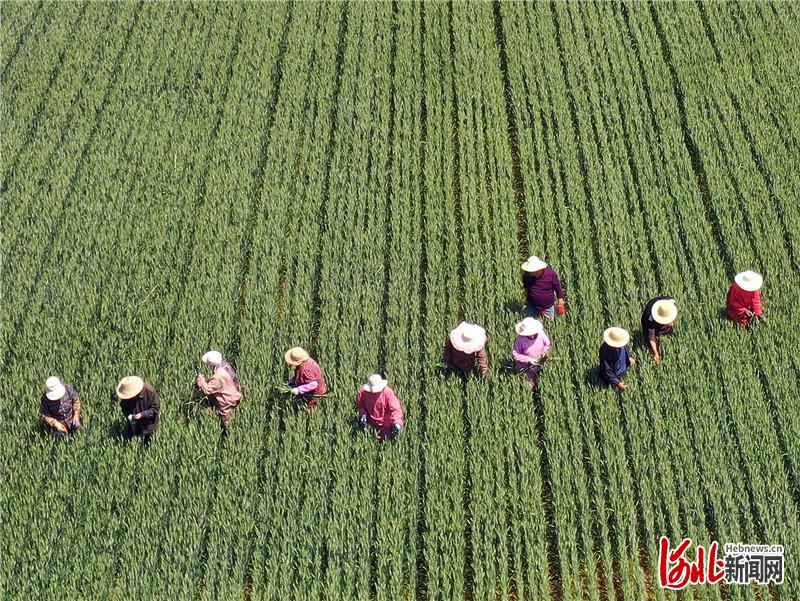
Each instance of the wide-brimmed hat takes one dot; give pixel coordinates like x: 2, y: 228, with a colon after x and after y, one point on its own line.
x: 375, y: 383
x: 129, y: 387
x: 529, y: 327
x: 664, y: 311
x: 533, y: 264
x: 616, y: 337
x: 296, y: 355
x: 468, y: 337
x: 55, y: 389
x: 749, y: 280
x: 212, y: 358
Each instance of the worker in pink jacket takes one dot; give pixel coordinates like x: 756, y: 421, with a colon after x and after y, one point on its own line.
x: 223, y: 387
x: 378, y: 405
x: 531, y: 347
x: 744, y: 298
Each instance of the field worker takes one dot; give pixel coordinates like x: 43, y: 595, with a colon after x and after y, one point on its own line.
x: 531, y: 347
x: 378, y: 405
x: 464, y: 349
x: 543, y: 290
x: 60, y: 407
x: 658, y: 319
x: 615, y: 358
x: 744, y: 298
x: 308, y: 382
x: 140, y: 405
x: 223, y: 387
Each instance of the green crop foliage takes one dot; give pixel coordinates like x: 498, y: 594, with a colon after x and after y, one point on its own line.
x: 357, y: 178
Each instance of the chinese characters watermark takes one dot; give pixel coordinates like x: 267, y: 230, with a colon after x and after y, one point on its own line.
x: 741, y: 564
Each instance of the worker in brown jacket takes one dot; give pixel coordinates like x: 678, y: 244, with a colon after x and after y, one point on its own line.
x: 464, y: 349
x: 223, y: 387
x: 140, y: 405
x: 60, y: 407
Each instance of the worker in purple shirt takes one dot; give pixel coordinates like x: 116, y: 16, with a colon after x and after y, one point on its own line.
x: 615, y: 358
x: 543, y: 290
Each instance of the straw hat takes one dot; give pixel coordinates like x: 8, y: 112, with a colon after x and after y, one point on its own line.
x: 212, y: 358
x: 375, y: 383
x: 468, y: 337
x: 616, y: 337
x: 529, y: 327
x: 664, y: 311
x: 296, y: 355
x: 129, y: 387
x: 533, y: 264
x: 749, y: 280
x: 55, y: 389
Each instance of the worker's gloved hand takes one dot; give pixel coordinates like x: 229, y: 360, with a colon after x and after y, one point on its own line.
x: 762, y: 318
x: 561, y: 309
x: 130, y: 417
x: 485, y: 374
x: 748, y: 312
x: 362, y: 421
x: 396, y: 429
x: 295, y: 391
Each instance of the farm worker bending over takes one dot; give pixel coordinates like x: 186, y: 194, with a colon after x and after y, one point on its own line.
x: 223, y: 387
x: 464, y: 349
x: 744, y: 298
x: 531, y: 347
x: 378, y: 405
x: 658, y: 318
x: 614, y: 357
x: 542, y: 286
x: 60, y: 407
x: 140, y: 405
x: 308, y: 382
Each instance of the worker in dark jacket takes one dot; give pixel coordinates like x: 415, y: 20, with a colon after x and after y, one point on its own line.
x: 308, y: 383
x: 60, y: 407
x: 464, y: 349
x: 543, y: 290
x: 658, y: 319
x: 615, y: 358
x: 140, y: 405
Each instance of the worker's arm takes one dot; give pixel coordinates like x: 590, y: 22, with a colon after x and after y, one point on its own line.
x: 652, y: 341
x: 483, y: 361
x: 212, y: 386
x: 757, y: 309
x: 54, y: 423
x: 306, y: 388
x: 394, y: 409
x: 76, y: 409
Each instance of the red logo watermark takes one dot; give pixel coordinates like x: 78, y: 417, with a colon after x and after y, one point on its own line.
x: 676, y: 572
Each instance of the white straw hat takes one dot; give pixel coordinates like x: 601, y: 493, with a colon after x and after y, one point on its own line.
x: 749, y: 280
x: 616, y: 337
x: 296, y: 355
x: 468, y: 337
x: 55, y: 389
x: 533, y: 264
x: 375, y: 383
x: 129, y: 387
x: 212, y: 358
x: 529, y: 327
x: 664, y: 311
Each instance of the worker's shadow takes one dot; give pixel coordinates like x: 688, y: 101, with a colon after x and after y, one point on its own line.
x: 515, y: 306
x: 591, y: 378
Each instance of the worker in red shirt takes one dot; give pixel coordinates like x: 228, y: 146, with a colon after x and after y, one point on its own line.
x: 378, y: 405
x: 308, y: 382
x: 744, y: 298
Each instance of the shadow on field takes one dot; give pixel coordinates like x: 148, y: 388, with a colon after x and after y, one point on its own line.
x: 592, y: 378
x: 515, y: 306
